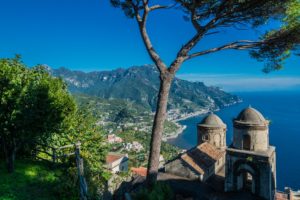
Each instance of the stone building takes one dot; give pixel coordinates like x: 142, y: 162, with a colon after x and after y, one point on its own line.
x: 208, y: 157
x: 198, y: 163
x: 212, y: 130
x: 248, y: 164
x: 250, y: 160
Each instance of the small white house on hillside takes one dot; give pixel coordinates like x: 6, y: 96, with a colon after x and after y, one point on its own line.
x: 117, y: 162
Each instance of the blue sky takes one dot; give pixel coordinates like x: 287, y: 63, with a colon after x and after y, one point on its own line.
x: 91, y: 35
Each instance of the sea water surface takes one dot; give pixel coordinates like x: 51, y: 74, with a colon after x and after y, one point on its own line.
x: 283, y: 110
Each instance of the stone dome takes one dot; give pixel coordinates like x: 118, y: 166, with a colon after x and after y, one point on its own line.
x: 212, y: 120
x: 250, y: 116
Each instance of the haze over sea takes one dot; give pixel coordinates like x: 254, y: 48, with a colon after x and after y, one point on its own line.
x: 283, y: 110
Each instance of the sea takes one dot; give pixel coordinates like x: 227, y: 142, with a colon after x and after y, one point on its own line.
x: 283, y: 111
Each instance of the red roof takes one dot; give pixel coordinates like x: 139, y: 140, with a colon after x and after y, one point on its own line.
x: 142, y: 171
x: 110, y: 158
x: 202, y: 157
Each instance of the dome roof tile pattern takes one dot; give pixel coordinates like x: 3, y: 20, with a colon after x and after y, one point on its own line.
x: 250, y: 116
x: 212, y: 120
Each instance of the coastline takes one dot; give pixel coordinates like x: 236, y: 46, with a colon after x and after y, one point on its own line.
x: 193, y: 114
x: 181, y: 128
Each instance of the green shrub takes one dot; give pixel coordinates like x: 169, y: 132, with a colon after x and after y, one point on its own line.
x: 160, y: 191
x: 35, y: 180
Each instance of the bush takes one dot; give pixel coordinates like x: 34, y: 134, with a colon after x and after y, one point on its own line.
x: 160, y: 191
x: 81, y: 127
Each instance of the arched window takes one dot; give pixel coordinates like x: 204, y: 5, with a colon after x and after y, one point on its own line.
x: 205, y: 137
x: 246, y: 142
x: 246, y: 177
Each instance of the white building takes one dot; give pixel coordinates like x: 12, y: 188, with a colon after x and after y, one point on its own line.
x: 136, y: 146
x: 127, y: 146
x: 117, y: 162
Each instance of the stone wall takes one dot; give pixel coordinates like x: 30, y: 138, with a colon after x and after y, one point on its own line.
x: 259, y: 166
x: 259, y: 138
x: 213, y: 135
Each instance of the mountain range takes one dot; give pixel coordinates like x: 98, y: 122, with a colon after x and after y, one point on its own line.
x: 140, y: 85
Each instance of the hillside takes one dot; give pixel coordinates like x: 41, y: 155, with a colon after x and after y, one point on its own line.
x: 119, y: 115
x: 140, y: 85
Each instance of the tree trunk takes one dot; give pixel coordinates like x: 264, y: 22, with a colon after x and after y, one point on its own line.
x: 11, y: 161
x: 158, y: 127
x: 10, y: 154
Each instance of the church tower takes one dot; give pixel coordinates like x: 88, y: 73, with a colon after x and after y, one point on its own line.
x: 250, y: 160
x: 212, y: 130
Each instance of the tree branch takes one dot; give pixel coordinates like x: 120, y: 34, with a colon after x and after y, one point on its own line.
x: 211, y: 33
x: 146, y: 39
x: 182, y: 54
x: 155, y: 7
x: 237, y: 45
x: 136, y: 12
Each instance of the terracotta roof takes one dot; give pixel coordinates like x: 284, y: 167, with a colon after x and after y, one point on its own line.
x: 142, y: 171
x: 202, y: 157
x: 192, y: 163
x: 112, y: 157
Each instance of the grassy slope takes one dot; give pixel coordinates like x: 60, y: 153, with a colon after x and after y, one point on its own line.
x: 31, y: 180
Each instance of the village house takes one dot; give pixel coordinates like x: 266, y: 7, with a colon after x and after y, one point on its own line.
x: 112, y: 138
x: 127, y: 146
x: 117, y: 162
x: 134, y: 146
